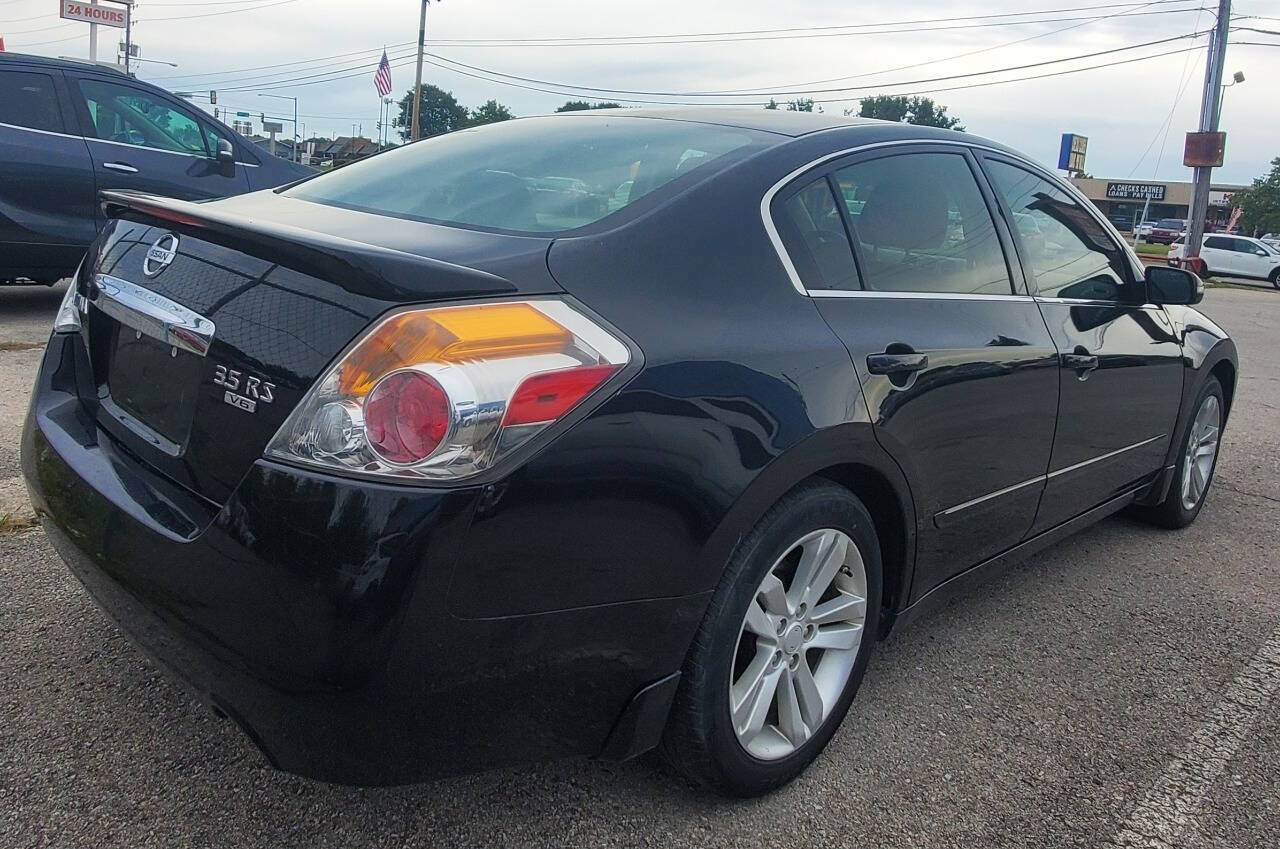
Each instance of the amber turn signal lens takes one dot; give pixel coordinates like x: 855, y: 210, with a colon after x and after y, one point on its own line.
x: 450, y: 335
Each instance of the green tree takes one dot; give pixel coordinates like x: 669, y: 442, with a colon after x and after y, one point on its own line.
x: 490, y: 112
x: 439, y: 112
x: 582, y: 105
x: 1259, y: 204
x: 910, y: 110
x: 772, y: 104
x: 804, y: 104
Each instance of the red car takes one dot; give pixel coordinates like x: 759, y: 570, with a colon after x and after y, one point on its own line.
x: 1167, y: 231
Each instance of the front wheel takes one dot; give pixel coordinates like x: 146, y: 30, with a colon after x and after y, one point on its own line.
x: 1275, y: 278
x: 782, y: 648
x: 1196, y: 463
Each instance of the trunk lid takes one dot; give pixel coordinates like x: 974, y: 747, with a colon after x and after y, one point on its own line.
x: 207, y: 323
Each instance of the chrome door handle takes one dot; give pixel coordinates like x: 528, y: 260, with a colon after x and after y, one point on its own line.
x: 120, y: 166
x: 892, y: 364
x: 1081, y: 360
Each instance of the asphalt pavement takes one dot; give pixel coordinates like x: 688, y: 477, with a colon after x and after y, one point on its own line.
x: 1118, y: 689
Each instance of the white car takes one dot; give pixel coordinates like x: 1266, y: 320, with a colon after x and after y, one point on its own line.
x: 1272, y: 239
x: 1145, y: 228
x: 1238, y: 256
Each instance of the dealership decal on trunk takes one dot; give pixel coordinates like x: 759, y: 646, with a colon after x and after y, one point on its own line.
x: 255, y: 390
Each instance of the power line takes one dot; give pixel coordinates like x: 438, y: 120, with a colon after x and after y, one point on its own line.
x: 763, y: 92
x: 517, y: 43
x: 973, y: 52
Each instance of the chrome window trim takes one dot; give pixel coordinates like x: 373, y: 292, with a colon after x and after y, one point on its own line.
x: 766, y: 216
x: 42, y: 132
x: 160, y: 150
x: 108, y: 141
x: 941, y: 517
x: 153, y: 314
x: 920, y: 296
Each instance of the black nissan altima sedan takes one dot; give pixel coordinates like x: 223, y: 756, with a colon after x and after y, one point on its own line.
x: 595, y: 434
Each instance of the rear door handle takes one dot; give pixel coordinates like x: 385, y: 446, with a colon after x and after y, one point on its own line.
x: 120, y: 166
x: 897, y: 364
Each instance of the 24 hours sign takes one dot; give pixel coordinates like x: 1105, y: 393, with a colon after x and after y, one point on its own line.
x: 107, y: 14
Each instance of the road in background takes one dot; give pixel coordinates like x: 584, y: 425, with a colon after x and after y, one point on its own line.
x: 1116, y: 690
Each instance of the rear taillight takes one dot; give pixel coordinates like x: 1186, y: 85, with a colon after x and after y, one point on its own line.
x: 444, y: 393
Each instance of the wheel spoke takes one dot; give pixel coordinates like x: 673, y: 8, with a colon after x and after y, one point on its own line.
x: 758, y: 622
x: 811, y: 708
x: 790, y: 720
x: 752, y: 695
x: 1198, y: 476
x: 773, y: 595
x: 820, y: 559
x: 842, y: 608
x: 837, y: 637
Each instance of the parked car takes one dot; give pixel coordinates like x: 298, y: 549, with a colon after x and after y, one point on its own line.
x: 70, y: 129
x: 1166, y: 231
x: 407, y: 477
x: 1144, y: 229
x: 1272, y: 239
x: 1238, y: 256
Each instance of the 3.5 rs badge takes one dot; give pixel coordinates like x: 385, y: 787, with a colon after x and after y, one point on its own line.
x: 243, y: 391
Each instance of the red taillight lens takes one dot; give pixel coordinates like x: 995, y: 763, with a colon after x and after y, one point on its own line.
x: 442, y: 393
x: 548, y: 396
x: 406, y: 417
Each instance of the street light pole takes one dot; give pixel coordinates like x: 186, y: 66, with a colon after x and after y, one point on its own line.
x: 294, y: 153
x: 417, y: 85
x: 1210, y: 113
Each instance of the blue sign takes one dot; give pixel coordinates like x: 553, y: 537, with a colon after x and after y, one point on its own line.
x: 1071, y: 153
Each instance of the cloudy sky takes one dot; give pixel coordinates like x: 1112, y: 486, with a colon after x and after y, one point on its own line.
x: 324, y: 52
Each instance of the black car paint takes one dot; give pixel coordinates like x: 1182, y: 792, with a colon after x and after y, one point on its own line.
x: 372, y: 633
x: 49, y: 181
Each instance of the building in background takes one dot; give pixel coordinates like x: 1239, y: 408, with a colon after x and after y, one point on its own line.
x: 1121, y: 201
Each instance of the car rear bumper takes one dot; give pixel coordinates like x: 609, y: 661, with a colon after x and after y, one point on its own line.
x: 314, y: 611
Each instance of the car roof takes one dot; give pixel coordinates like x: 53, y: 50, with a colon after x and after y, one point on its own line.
x: 51, y: 62
x: 778, y: 121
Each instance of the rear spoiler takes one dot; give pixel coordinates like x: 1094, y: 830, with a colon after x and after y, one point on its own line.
x: 356, y: 266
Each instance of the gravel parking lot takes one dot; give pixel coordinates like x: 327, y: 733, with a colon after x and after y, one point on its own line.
x: 1116, y: 690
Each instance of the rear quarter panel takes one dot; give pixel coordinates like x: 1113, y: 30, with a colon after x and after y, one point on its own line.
x: 648, y: 495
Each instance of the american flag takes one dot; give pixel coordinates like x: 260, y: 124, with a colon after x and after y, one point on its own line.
x: 382, y: 79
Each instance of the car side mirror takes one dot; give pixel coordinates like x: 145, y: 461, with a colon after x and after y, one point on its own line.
x: 1260, y: 252
x: 226, y: 158
x: 1166, y: 285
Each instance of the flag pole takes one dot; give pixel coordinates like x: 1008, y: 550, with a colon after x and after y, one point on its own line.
x: 417, y: 86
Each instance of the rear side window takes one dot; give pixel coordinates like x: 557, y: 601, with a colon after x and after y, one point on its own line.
x: 921, y: 225
x: 534, y: 175
x: 815, y: 238
x: 132, y: 116
x: 28, y: 100
x: 1072, y: 257
x: 1217, y: 242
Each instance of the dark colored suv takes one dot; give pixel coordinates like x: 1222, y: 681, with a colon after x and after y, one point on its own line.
x: 70, y: 129
x: 593, y: 433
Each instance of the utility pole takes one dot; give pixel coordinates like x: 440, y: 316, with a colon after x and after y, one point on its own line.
x: 417, y: 85
x: 1210, y: 112
x: 93, y: 37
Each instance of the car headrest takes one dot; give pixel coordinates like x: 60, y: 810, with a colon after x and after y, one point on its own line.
x: 904, y: 213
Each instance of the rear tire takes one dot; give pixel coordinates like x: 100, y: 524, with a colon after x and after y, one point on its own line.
x: 774, y: 665
x: 1195, y: 468
x: 1275, y: 278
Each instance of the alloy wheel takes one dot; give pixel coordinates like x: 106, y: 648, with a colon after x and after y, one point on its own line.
x: 1201, y: 452
x: 798, y: 644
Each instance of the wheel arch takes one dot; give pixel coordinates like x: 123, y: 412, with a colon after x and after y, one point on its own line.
x: 847, y: 455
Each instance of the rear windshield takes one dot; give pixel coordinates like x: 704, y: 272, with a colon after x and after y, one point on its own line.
x: 533, y: 175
